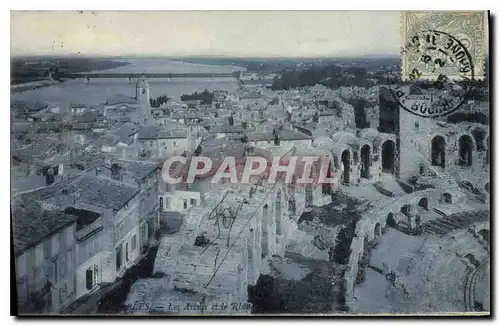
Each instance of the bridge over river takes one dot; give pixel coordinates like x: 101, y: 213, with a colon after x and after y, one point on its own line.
x: 130, y: 75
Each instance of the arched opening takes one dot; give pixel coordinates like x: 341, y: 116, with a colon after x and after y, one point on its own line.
x: 388, y: 156
x: 377, y: 231
x: 390, y: 221
x: 277, y: 213
x: 465, y: 146
x: 406, y: 209
x: 424, y: 203
x: 446, y: 198
x: 365, y: 162
x: 438, y: 151
x: 265, y: 231
x: 346, y: 160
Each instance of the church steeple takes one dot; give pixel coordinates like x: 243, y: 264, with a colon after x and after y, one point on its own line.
x: 142, y: 92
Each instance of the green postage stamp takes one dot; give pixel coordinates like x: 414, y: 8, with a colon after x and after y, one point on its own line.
x: 443, y: 43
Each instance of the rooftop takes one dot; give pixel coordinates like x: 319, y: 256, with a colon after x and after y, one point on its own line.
x: 137, y: 169
x: 154, y: 132
x: 106, y: 193
x: 31, y: 224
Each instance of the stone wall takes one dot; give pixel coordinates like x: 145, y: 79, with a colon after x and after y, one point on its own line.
x: 236, y: 248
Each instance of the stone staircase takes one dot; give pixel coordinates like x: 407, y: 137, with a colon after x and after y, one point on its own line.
x: 456, y: 221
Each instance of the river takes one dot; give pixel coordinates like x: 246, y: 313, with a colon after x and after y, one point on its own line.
x: 95, y: 92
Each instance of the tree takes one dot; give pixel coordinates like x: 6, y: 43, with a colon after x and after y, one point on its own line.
x: 205, y: 97
x: 157, y: 102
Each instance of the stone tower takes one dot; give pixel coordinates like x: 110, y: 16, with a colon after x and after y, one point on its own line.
x: 142, y: 92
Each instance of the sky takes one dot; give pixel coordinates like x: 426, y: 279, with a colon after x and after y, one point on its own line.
x: 206, y: 33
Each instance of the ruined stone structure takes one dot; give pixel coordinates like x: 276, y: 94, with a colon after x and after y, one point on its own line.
x: 223, y: 246
x: 366, y: 155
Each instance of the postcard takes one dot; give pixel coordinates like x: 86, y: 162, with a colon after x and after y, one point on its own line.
x: 225, y: 163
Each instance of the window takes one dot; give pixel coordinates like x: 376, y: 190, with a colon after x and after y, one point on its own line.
x: 126, y: 251
x: 134, y: 243
x: 175, y: 144
x: 118, y: 258
x: 185, y: 204
x: 192, y: 202
x: 161, y: 203
x: 167, y: 202
x: 89, y: 278
x: 143, y: 91
x: 96, y: 274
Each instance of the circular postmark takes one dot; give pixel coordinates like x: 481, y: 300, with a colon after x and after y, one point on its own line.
x: 438, y: 74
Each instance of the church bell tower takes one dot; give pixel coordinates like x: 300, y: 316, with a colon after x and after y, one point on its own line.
x: 142, y: 92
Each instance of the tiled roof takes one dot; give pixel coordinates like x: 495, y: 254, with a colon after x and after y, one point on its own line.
x: 31, y: 224
x: 154, y: 132
x: 103, y: 192
x: 137, y: 169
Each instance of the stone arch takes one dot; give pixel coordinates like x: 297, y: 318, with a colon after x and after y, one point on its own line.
x: 388, y: 150
x: 346, y: 161
x: 465, y: 148
x: 365, y: 161
x: 424, y: 203
x: 406, y: 209
x: 446, y: 198
x: 438, y: 151
x: 278, y: 212
x: 479, y: 134
x: 265, y: 231
x: 390, y: 221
